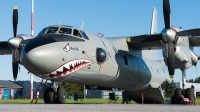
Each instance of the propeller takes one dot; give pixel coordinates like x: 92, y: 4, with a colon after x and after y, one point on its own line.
x: 14, y: 44
x: 169, y: 36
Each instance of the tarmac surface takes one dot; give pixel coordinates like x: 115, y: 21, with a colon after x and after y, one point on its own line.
x: 97, y: 108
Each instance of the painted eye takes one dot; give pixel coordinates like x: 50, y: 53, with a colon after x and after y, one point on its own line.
x: 66, y: 48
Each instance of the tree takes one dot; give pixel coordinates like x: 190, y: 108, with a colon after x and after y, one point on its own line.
x: 165, y: 85
x: 168, y: 87
x: 72, y: 88
x: 191, y: 80
x: 197, y: 80
x: 172, y: 87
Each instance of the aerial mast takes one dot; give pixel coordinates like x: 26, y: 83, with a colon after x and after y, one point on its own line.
x: 32, y: 34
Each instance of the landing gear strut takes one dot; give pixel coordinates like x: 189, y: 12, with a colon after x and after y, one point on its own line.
x: 183, y: 81
x: 55, y: 94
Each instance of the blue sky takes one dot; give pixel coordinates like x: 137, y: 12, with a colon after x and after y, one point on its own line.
x: 110, y: 17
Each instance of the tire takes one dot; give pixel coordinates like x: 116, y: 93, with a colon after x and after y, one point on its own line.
x: 172, y: 100
x: 50, y: 96
x: 189, y: 93
x: 61, y: 96
x: 177, y: 98
x: 45, y: 96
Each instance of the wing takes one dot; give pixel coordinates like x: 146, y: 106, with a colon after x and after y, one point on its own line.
x: 194, y: 41
x: 5, y: 48
x: 145, y: 42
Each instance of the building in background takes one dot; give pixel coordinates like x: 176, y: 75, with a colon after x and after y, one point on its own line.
x: 26, y: 88
x: 9, y: 89
x: 18, y: 89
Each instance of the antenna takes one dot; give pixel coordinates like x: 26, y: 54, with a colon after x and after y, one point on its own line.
x: 32, y: 18
x: 82, y: 25
x: 32, y: 33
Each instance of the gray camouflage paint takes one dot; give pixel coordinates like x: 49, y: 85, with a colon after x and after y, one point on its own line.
x: 140, y: 73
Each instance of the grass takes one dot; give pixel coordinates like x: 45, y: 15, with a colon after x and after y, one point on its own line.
x: 71, y: 101
x: 68, y: 101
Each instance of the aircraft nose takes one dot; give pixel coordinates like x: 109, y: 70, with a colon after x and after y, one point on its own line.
x: 40, y: 55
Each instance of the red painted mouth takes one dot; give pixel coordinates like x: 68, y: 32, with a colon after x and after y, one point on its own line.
x: 68, y: 68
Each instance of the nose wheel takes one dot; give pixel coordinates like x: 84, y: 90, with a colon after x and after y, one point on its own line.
x: 61, y: 96
x: 55, y: 95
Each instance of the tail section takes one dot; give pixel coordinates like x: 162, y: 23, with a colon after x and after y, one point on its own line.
x: 152, y: 54
x: 154, y: 26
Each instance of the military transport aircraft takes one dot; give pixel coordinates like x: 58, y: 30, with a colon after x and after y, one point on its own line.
x: 63, y: 53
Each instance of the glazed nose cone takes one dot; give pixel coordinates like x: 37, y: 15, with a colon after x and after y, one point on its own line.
x: 40, y: 56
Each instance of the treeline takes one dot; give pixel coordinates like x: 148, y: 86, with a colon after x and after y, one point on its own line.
x: 197, y: 80
x: 169, y: 87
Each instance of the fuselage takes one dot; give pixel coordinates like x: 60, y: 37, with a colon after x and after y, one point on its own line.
x: 74, y: 57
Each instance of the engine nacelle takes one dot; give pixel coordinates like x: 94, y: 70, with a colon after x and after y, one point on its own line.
x: 176, y: 29
x: 181, y: 56
x: 24, y: 36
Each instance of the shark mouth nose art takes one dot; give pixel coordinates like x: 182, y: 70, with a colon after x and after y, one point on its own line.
x: 68, y: 68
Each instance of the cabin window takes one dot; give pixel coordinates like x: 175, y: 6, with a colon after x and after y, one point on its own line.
x: 125, y: 60
x: 65, y: 31
x: 77, y: 33
x: 52, y: 30
x: 84, y: 35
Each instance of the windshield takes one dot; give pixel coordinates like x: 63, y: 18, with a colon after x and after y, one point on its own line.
x: 52, y: 30
x: 84, y: 35
x: 43, y: 31
x: 65, y: 30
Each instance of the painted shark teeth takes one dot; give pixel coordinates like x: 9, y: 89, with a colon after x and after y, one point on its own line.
x: 68, y: 68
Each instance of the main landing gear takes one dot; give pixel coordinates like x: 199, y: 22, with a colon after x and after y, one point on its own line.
x: 55, y: 94
x: 181, y: 94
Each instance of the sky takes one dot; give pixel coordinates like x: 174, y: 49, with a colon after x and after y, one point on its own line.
x: 110, y: 17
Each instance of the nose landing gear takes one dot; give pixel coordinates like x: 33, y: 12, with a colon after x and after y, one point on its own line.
x: 55, y: 94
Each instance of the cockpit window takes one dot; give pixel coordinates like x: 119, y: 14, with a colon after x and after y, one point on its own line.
x: 42, y: 32
x: 52, y: 30
x: 77, y: 33
x: 84, y: 35
x: 65, y: 31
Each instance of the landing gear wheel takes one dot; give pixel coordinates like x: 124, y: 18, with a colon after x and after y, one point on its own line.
x: 61, y: 95
x: 177, y: 98
x: 189, y: 93
x: 50, y: 96
x: 45, y: 96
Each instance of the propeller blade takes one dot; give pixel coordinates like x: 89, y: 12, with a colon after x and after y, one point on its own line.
x: 166, y: 13
x: 15, y: 20
x: 191, y: 32
x: 15, y: 62
x: 171, y: 59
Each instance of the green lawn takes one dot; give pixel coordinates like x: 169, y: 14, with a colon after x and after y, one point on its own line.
x: 68, y: 101
x: 71, y: 101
